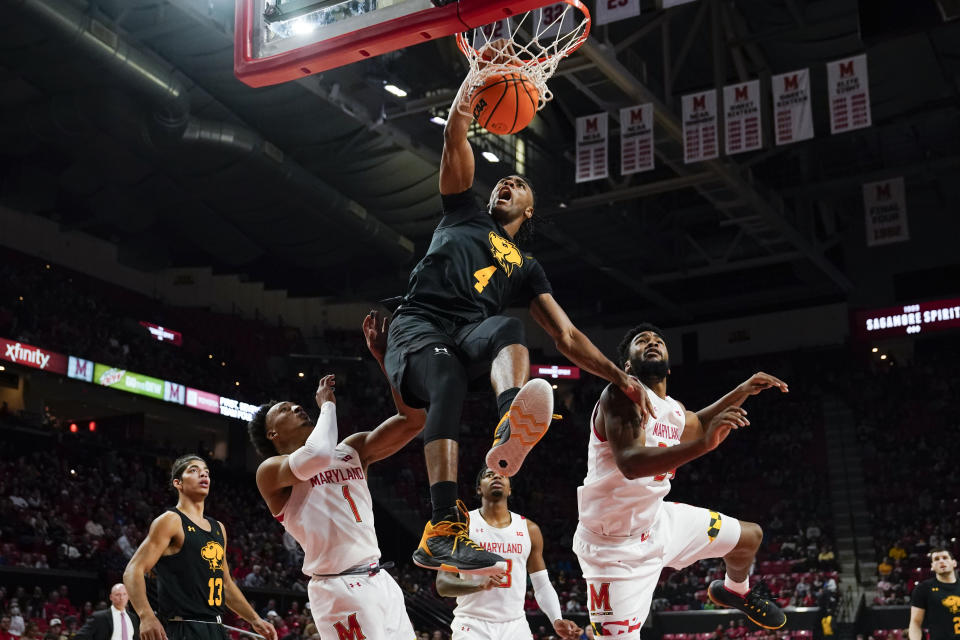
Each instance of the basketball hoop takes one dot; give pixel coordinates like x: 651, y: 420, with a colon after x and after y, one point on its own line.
x: 531, y: 43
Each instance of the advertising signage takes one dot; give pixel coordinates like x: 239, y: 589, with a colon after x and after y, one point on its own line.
x: 203, y: 401
x: 128, y: 381
x: 162, y: 334
x: 907, y: 320
x: 34, y: 357
x: 554, y: 371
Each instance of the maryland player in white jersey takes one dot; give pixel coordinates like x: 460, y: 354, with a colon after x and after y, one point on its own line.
x: 318, y: 490
x: 627, y: 533
x: 491, y: 608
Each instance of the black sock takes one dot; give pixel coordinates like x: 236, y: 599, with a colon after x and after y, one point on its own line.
x: 505, y: 399
x: 443, y: 495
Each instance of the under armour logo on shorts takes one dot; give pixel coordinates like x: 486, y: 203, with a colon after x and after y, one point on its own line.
x: 438, y: 350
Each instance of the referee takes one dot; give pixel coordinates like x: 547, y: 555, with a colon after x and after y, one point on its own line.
x: 188, y: 550
x: 935, y: 603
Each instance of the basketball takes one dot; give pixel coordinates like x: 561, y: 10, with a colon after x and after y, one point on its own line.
x: 505, y: 103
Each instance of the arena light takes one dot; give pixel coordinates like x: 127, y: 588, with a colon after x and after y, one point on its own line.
x: 236, y: 383
x: 395, y: 90
x: 73, y: 427
x: 875, y: 349
x: 2, y: 368
x: 92, y: 426
x: 300, y: 374
x: 883, y: 356
x: 490, y: 156
x: 438, y: 120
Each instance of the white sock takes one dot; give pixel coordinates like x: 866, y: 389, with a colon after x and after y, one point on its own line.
x: 737, y: 587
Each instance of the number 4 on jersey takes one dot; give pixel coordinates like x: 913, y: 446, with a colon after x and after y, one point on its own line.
x: 483, y: 277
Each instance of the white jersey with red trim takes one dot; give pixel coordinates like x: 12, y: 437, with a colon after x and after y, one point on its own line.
x: 331, y: 516
x: 611, y: 504
x: 512, y: 543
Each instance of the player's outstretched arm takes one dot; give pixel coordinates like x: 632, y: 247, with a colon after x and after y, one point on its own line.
x: 543, y: 590
x: 457, y: 162
x: 396, y: 431
x: 915, y: 631
x: 237, y: 602
x: 578, y: 348
x: 276, y: 474
x: 749, y: 387
x: 451, y: 585
x: 162, y: 531
x: 621, y: 425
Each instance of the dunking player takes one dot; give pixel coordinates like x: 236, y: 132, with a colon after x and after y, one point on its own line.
x: 188, y: 550
x: 936, y: 601
x: 493, y: 610
x: 318, y: 490
x: 448, y: 330
x: 627, y: 533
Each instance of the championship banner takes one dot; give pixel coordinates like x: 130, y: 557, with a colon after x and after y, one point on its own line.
x: 792, y: 112
x: 849, y: 91
x: 127, y: 381
x: 34, y: 357
x: 885, y: 204
x: 700, y: 126
x: 612, y: 10
x: 741, y: 117
x: 592, y: 147
x: 636, y: 139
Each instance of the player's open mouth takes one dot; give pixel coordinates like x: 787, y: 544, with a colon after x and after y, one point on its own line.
x: 504, y: 195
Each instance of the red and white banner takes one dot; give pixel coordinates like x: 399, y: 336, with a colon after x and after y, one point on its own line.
x: 554, y: 371
x: 792, y: 107
x: 592, y: 147
x: 700, y: 126
x: 849, y: 91
x: 162, y: 334
x: 29, y: 356
x: 203, y: 400
x: 636, y: 139
x: 741, y: 117
x: 612, y: 10
x: 885, y: 204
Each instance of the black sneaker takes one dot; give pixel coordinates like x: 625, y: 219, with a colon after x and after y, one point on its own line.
x: 522, y: 427
x: 756, y: 604
x: 446, y: 546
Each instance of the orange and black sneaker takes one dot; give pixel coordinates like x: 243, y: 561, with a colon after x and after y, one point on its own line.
x: 446, y: 546
x: 758, y: 604
x: 521, y: 427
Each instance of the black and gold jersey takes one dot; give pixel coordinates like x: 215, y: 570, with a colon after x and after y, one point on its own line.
x: 941, y: 601
x: 472, y: 269
x: 190, y: 582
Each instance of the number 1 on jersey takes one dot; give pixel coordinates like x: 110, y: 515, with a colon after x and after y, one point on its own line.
x: 353, y: 505
x: 483, y: 277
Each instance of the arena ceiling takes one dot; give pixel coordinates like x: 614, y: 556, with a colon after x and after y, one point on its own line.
x: 327, y: 185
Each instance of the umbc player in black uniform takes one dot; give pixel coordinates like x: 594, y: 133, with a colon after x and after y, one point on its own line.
x: 447, y: 331
x: 188, y: 551
x: 935, y: 603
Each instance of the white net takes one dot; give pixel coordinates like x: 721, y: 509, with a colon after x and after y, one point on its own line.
x: 532, y: 44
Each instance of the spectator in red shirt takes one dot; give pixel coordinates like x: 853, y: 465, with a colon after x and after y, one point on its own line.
x: 5, y: 629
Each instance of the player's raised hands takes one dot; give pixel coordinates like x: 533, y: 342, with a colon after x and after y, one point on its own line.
x: 632, y: 388
x: 375, y: 328
x: 325, y: 390
x: 567, y: 629
x: 721, y: 425
x: 761, y: 381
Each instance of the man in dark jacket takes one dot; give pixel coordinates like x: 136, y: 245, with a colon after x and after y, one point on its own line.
x: 117, y: 622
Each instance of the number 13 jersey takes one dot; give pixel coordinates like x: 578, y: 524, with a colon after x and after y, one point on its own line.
x: 472, y: 269
x: 503, y: 603
x: 331, y: 516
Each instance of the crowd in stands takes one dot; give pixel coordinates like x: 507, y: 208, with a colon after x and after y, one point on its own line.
x: 905, y: 415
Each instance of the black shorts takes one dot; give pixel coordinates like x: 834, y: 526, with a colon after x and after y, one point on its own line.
x: 475, y: 344
x: 183, y: 630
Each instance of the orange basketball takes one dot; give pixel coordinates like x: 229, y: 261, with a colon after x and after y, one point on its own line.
x: 505, y: 103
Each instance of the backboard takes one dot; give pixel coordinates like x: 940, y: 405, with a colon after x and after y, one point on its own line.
x: 282, y: 40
